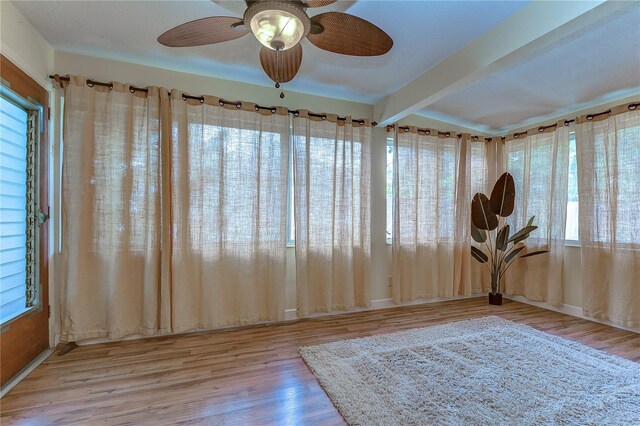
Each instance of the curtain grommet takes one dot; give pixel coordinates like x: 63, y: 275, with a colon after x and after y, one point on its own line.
x: 273, y: 110
x: 427, y: 132
x: 589, y: 117
x: 566, y: 123
x: 131, y: 89
x: 447, y: 134
x: 201, y: 99
x: 221, y: 102
x: 239, y: 105
x: 540, y: 129
x: 184, y: 98
x: 323, y: 117
x: 631, y: 107
x: 296, y: 113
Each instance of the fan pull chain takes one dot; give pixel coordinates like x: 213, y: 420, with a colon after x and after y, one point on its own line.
x: 278, y: 53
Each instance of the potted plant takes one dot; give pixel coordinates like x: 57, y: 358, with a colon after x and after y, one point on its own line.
x: 489, y: 228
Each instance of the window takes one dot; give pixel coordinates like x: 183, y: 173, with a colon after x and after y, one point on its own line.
x: 18, y: 195
x: 571, y: 233
x: 389, y: 190
x: 291, y: 223
x: 221, y: 200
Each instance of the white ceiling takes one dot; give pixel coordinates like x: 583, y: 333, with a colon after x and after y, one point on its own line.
x: 598, y: 63
x: 589, y: 64
x: 424, y: 33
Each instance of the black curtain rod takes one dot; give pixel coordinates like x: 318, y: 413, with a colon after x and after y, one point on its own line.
x: 541, y: 129
x: 445, y: 134
x: 221, y: 102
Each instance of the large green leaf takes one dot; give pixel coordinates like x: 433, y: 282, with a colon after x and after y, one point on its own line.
x: 503, y: 196
x: 521, y: 238
x: 513, y: 254
x: 535, y: 253
x: 481, y: 215
x: 478, y: 235
x: 502, y: 238
x: 479, y: 255
x: 531, y: 220
x: 523, y: 231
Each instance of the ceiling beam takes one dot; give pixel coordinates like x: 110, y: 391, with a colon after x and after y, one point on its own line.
x: 535, y: 27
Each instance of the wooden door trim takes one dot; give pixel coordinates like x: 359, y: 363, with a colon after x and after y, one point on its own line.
x: 27, y: 335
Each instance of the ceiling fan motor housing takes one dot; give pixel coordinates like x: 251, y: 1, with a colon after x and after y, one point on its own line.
x: 277, y: 25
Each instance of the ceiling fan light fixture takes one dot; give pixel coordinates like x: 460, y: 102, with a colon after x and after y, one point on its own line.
x: 277, y: 25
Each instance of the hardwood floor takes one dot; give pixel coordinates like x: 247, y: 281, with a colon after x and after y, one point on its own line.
x: 244, y: 376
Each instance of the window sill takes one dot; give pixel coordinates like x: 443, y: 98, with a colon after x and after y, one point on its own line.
x: 27, y: 311
x: 572, y: 243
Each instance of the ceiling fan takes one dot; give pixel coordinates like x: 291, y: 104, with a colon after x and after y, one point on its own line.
x: 280, y: 25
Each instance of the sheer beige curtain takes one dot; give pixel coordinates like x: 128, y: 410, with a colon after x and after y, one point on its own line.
x: 332, y: 211
x: 228, y: 209
x: 539, y: 163
x: 111, y: 213
x: 434, y: 176
x: 608, y: 154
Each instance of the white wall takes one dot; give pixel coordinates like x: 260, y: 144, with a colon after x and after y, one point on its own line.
x: 23, y: 45
x: 142, y: 76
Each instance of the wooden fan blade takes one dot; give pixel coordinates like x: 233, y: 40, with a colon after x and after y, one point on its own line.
x: 318, y: 3
x: 211, y: 30
x: 348, y: 35
x: 281, y: 66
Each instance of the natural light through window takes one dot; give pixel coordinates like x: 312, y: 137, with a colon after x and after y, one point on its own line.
x: 389, y: 190
x: 571, y: 232
x: 17, y: 256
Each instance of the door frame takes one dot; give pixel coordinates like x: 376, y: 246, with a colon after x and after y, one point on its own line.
x: 25, y: 337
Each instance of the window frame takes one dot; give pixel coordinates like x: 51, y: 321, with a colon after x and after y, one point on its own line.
x: 290, y: 221
x: 390, y: 149
x: 572, y: 242
x: 35, y: 113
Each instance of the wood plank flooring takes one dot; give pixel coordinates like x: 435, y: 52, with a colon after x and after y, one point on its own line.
x: 244, y: 376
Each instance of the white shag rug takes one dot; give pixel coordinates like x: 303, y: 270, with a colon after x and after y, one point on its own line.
x: 485, y: 371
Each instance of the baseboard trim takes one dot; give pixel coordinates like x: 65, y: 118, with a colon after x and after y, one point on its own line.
x: 388, y: 303
x: 25, y: 372
x: 291, y: 314
x: 574, y: 311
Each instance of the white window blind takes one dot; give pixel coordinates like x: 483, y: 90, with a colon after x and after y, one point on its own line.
x: 13, y: 210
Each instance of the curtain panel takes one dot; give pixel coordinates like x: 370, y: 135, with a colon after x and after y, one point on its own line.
x: 608, y: 154
x: 173, y: 212
x: 539, y: 164
x: 435, y: 177
x: 332, y: 213
x: 111, y: 212
x: 228, y: 213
